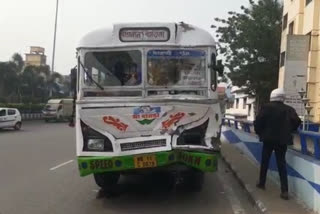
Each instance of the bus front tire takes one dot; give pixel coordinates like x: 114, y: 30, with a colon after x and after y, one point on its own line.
x: 107, y: 181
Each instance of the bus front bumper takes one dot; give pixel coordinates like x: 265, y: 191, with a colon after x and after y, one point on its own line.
x: 206, y: 162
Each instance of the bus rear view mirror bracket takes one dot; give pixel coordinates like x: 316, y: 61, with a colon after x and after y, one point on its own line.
x: 73, y: 78
x: 216, y: 67
x: 220, y: 67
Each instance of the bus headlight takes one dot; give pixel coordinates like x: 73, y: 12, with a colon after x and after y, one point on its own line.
x: 96, y: 144
x: 95, y: 141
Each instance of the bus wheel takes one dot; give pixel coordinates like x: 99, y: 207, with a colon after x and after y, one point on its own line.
x: 194, y: 179
x: 107, y: 181
x: 17, y: 126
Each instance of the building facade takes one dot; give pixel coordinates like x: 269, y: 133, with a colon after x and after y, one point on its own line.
x: 242, y: 106
x: 36, y: 56
x: 302, y: 17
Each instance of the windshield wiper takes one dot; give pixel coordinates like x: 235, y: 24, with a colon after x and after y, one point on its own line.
x: 90, y: 77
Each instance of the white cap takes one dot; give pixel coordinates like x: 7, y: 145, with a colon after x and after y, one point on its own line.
x: 278, y: 95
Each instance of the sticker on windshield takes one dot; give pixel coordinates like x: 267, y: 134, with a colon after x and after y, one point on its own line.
x: 175, y: 53
x: 145, y: 115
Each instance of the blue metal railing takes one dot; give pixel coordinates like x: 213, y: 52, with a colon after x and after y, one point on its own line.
x: 304, y: 136
x: 243, y: 125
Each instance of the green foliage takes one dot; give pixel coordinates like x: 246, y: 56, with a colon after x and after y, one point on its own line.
x: 8, y: 78
x: 24, y: 107
x: 25, y: 84
x: 250, y: 43
x: 18, y: 61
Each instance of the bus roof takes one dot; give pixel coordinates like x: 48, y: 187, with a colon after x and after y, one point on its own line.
x: 154, y: 34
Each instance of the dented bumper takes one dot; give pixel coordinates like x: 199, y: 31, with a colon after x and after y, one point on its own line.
x: 206, y: 162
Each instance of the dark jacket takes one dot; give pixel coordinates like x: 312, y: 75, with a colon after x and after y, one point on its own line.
x: 275, y: 123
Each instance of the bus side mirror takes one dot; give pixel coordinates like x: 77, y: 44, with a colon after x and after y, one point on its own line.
x: 73, y: 79
x: 213, y: 72
x: 216, y: 65
x: 220, y: 68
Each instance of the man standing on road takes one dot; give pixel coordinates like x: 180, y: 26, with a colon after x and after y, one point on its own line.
x: 274, y: 125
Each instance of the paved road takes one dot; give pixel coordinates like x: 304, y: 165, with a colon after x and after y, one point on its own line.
x: 38, y: 174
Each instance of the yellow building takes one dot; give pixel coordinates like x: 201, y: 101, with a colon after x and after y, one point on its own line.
x: 302, y: 17
x: 36, y: 56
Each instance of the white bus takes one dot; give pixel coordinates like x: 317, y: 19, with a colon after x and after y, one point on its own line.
x: 146, y: 100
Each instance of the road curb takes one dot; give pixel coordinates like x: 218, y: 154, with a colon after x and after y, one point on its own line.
x: 252, y: 196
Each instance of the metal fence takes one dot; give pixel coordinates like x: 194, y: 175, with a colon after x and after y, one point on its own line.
x: 32, y: 116
x: 306, y: 142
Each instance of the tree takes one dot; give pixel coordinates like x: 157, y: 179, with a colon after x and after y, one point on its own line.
x: 32, y: 82
x: 250, y: 42
x: 18, y: 61
x: 28, y: 83
x: 53, y: 82
x: 8, y: 79
x: 37, y: 81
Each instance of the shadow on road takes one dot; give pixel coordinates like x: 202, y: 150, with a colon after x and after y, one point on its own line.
x: 6, y: 130
x: 154, y: 194
x: 147, y: 188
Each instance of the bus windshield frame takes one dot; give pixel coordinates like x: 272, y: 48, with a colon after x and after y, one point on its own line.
x: 194, y: 61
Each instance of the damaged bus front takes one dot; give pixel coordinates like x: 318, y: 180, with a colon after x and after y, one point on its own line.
x: 146, y: 100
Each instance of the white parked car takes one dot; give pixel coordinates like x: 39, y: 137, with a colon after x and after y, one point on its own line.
x: 10, y: 118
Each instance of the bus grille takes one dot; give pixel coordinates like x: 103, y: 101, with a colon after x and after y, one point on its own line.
x: 143, y: 145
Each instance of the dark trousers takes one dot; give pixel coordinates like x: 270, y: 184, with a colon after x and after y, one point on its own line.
x: 280, y: 152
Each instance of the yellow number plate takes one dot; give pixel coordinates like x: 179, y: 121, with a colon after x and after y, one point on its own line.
x: 145, y: 161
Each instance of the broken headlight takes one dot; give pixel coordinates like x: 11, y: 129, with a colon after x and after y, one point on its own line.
x: 194, y: 136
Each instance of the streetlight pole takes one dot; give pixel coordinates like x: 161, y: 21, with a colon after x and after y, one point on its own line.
x: 308, y: 108
x: 54, y: 42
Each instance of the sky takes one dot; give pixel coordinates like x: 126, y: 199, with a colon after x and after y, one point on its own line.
x: 25, y: 23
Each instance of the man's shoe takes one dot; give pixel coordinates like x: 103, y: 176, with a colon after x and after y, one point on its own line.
x: 260, y: 186
x: 284, y: 195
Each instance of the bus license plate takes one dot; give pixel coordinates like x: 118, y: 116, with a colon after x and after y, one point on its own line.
x: 145, y: 161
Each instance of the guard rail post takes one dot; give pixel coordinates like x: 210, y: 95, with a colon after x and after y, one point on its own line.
x: 316, y: 146
x: 303, y: 143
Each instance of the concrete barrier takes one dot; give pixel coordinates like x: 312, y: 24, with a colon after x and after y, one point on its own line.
x: 303, y: 170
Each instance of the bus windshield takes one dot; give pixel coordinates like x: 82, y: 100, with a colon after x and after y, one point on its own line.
x: 114, y: 68
x: 177, y: 68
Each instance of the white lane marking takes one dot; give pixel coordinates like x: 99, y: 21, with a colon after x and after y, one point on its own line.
x: 60, y: 165
x: 95, y: 190
x: 233, y: 199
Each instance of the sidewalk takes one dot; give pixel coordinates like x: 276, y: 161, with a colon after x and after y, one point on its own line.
x: 267, y: 201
